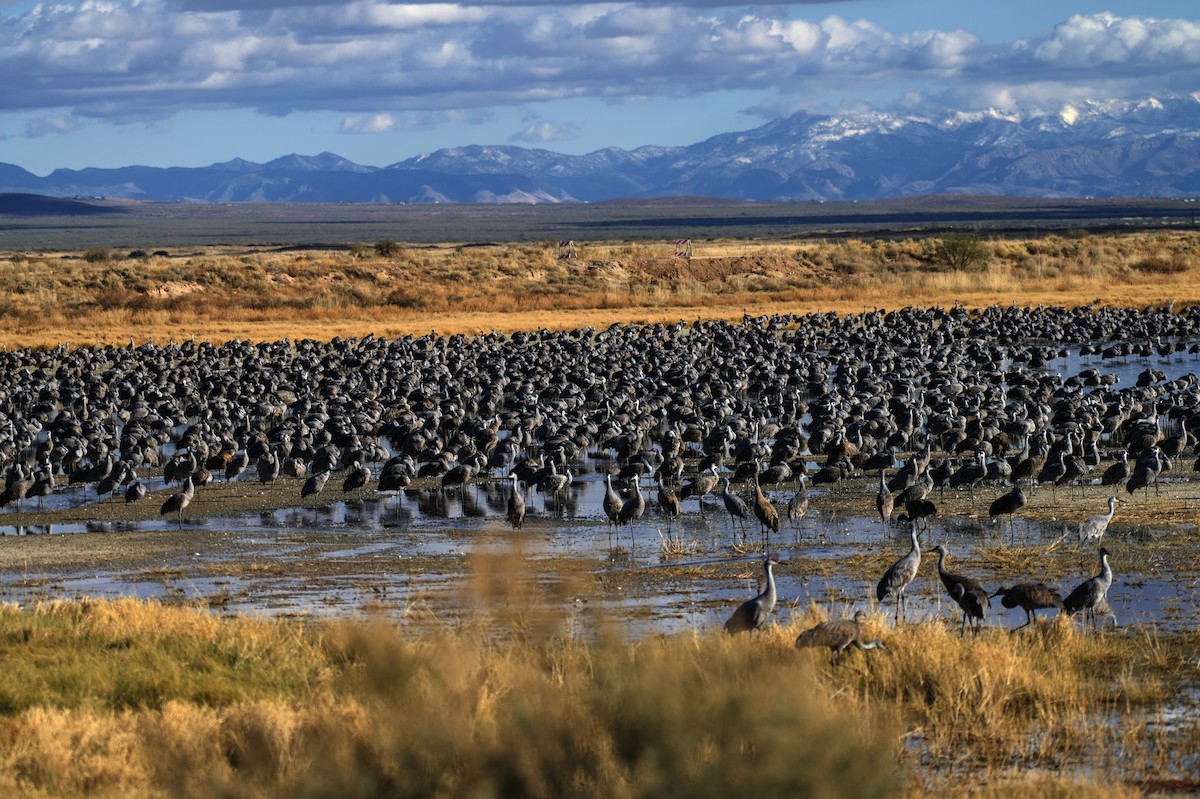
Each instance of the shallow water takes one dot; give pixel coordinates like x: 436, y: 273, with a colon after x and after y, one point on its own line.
x: 449, y: 526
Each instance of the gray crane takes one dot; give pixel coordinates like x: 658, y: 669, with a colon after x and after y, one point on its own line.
x: 633, y: 507
x: 838, y: 636
x: 701, y: 486
x: 515, y: 510
x: 798, y: 504
x: 668, y: 502
x: 735, y: 505
x: 1030, y: 597
x: 764, y: 511
x: 313, y: 485
x: 178, y: 502
x: 885, y: 500
x: 1093, y: 529
x: 612, y: 505
x: 1091, y: 593
x: 358, y: 477
x: 900, y: 574
x: 1008, y: 504
x: 965, y: 591
x: 753, y: 613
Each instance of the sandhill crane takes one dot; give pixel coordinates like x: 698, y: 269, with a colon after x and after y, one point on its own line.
x: 633, y: 507
x: 17, y: 486
x: 798, y: 504
x: 313, y: 485
x: 612, y: 504
x: 43, y: 485
x: 1030, y: 597
x: 735, y: 505
x: 753, y: 613
x: 268, y: 468
x: 1091, y: 593
x: 358, y: 477
x: 920, y: 511
x: 515, y: 509
x: 764, y: 511
x: 136, y: 491
x: 900, y: 574
x: 1117, y: 473
x: 1146, y: 471
x: 668, y: 502
x: 885, y: 500
x: 1008, y: 504
x: 971, y: 474
x: 1093, y: 529
x: 701, y: 486
x: 965, y: 591
x: 178, y: 502
x: 237, y: 464
x: 838, y: 636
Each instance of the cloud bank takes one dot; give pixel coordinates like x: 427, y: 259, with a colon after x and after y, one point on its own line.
x: 390, y: 67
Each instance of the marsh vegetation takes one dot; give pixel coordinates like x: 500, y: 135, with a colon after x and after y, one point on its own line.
x: 511, y: 696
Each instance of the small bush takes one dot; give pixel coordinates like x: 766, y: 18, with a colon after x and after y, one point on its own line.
x: 386, y: 248
x: 1161, y: 265
x: 97, y: 255
x: 960, y: 251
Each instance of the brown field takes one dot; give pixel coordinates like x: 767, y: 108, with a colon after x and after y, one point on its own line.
x: 221, y: 294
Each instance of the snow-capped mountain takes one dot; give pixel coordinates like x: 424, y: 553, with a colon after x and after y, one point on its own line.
x: 1145, y: 148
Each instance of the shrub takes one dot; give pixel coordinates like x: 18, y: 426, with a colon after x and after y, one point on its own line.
x: 960, y: 251
x: 1161, y: 265
x: 386, y: 248
x: 97, y: 255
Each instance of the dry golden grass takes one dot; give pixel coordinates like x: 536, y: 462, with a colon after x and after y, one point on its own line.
x: 52, y: 298
x: 133, y: 698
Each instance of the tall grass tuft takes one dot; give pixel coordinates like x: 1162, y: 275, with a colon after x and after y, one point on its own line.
x: 125, y: 697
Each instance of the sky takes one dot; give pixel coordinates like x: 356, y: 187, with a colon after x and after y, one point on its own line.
x: 111, y: 83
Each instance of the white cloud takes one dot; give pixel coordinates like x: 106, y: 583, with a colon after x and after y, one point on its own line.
x: 370, y: 123
x: 540, y: 131
x: 126, y: 59
x: 47, y: 125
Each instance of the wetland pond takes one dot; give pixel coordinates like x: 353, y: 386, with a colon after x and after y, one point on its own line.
x: 242, y: 547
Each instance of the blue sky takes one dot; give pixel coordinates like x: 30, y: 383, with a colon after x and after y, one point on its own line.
x: 113, y: 83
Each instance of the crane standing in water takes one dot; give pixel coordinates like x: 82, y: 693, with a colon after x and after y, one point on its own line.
x: 900, y: 574
x: 753, y: 613
x: 1091, y: 594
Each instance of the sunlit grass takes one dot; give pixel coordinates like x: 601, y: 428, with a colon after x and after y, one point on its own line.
x: 132, y: 698
x: 51, y: 298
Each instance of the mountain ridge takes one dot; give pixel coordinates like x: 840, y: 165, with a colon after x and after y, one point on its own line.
x: 1144, y: 148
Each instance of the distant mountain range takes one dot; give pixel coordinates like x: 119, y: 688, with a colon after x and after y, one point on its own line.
x: 1149, y: 148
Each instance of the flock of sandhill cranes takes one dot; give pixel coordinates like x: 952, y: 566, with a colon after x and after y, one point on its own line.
x: 695, y: 407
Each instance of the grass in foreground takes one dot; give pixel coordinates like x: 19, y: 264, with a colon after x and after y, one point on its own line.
x: 133, y: 698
